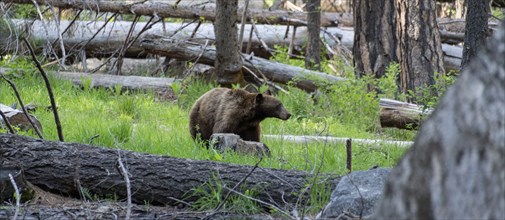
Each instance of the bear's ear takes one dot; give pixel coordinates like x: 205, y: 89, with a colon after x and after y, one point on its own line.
x: 267, y: 92
x: 259, y: 98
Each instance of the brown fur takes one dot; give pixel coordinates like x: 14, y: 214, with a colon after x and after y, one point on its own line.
x: 237, y: 111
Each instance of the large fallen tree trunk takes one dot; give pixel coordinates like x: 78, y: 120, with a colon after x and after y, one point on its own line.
x: 160, y: 9
x: 67, y: 168
x: 276, y: 72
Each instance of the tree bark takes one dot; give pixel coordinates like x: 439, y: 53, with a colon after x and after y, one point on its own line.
x: 276, y: 72
x: 455, y: 170
x: 374, y: 37
x: 476, y: 30
x: 419, y: 48
x: 65, y: 168
x: 228, y: 62
x: 313, y: 49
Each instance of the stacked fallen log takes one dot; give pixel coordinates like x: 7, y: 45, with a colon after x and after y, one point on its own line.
x: 273, y: 71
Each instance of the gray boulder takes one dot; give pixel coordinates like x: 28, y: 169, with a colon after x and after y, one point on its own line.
x: 356, y: 194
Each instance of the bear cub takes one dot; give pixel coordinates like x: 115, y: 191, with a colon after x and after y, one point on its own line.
x: 223, y: 110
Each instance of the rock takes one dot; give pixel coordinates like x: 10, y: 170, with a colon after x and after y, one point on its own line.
x: 356, y: 194
x: 224, y: 141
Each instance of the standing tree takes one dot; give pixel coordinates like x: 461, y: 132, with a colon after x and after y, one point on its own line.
x: 313, y: 53
x: 455, y: 169
x: 374, y: 37
x: 228, y: 61
x: 419, y: 47
x: 476, y: 29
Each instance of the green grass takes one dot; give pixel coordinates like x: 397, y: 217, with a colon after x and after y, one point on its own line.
x: 134, y: 121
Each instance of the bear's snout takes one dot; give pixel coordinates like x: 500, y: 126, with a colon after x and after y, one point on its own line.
x: 286, y: 115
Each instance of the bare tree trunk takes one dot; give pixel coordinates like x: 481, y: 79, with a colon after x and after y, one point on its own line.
x: 313, y: 52
x: 374, y: 37
x: 419, y: 48
x: 476, y: 30
x: 456, y: 170
x: 228, y: 62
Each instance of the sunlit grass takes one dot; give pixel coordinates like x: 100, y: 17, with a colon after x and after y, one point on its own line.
x: 134, y: 121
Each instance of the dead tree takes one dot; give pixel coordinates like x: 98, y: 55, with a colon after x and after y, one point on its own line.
x: 68, y: 168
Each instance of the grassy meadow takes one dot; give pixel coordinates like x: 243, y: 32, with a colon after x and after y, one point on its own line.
x: 136, y: 121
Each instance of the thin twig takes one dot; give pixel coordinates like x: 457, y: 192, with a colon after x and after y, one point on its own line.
x: 70, y: 25
x: 291, y: 43
x: 125, y: 174
x: 318, y: 171
x: 22, y: 105
x: 187, y: 72
x: 259, y: 37
x: 220, y: 205
x: 249, y: 43
x: 242, y: 25
x: 118, y: 63
x: 18, y: 196
x: 6, y: 122
x: 196, y: 29
x: 49, y: 91
x: 41, y: 17
x: 60, y: 36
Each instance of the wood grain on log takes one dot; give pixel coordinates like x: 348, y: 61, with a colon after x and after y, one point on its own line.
x: 66, y: 167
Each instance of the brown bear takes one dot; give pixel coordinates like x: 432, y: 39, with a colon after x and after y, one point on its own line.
x: 223, y: 110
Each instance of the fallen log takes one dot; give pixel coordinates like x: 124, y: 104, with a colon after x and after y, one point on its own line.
x: 163, y: 10
x: 104, y: 45
x: 111, y: 81
x: 67, y: 168
x: 401, y: 115
x: 307, y: 139
x: 276, y: 72
x: 108, y: 81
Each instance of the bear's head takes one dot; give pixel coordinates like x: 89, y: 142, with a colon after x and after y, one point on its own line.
x: 269, y: 107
